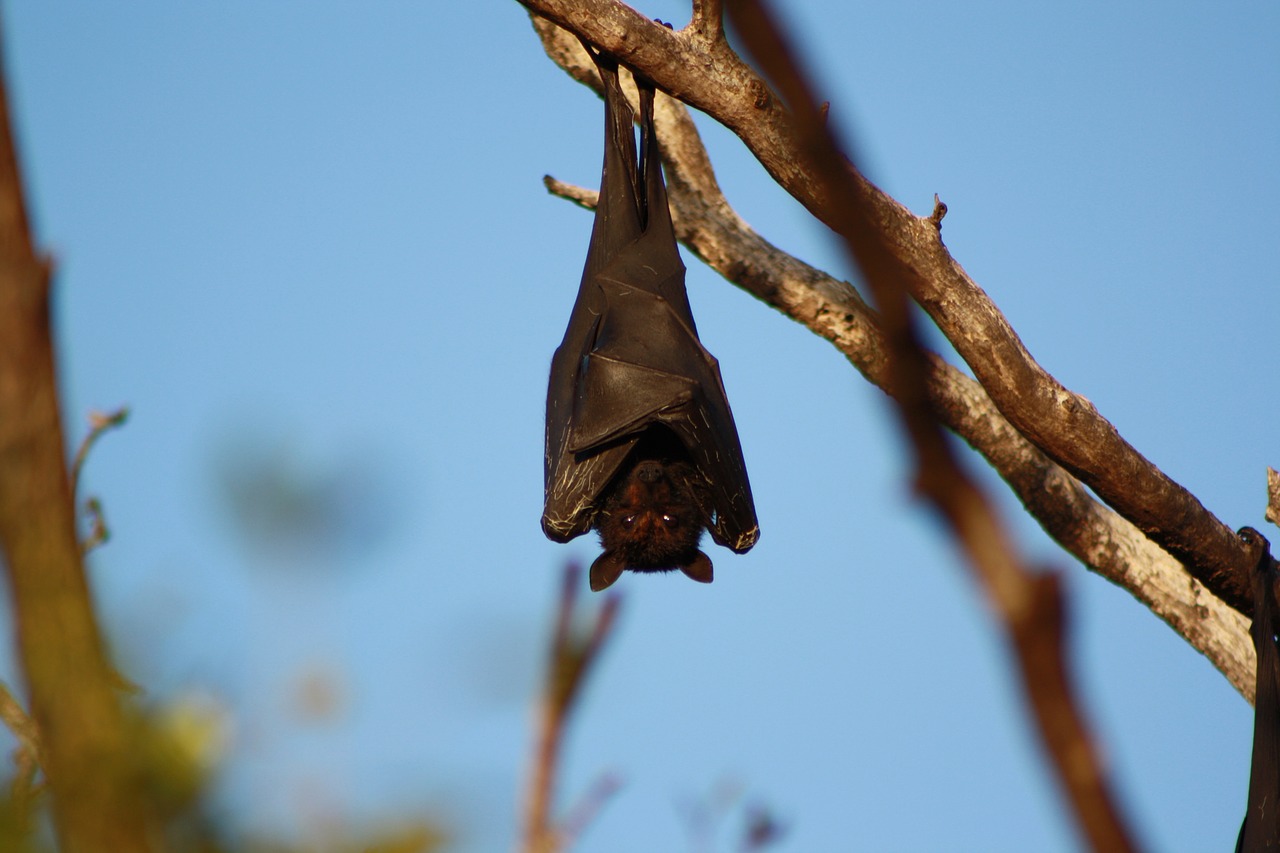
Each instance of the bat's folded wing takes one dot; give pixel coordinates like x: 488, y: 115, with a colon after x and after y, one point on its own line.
x: 620, y: 398
x: 572, y: 489
x: 664, y: 376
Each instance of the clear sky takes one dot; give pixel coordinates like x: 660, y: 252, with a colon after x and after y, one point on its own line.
x: 309, y: 246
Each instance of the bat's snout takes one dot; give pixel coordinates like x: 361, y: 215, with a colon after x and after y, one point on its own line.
x: 649, y: 471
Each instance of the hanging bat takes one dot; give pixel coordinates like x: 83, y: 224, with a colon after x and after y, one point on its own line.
x: 1261, y: 827
x: 640, y: 443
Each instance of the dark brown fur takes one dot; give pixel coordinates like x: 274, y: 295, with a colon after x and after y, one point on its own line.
x: 651, y: 518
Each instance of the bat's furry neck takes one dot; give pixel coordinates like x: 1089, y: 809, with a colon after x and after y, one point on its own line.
x: 650, y: 515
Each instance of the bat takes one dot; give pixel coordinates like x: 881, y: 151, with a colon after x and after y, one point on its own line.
x: 1261, y: 827
x: 640, y: 442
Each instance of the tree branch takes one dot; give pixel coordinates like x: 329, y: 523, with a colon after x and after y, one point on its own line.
x: 568, y: 664
x: 99, y: 423
x: 22, y: 726
x: 708, y: 75
x: 1097, y: 536
x: 96, y: 799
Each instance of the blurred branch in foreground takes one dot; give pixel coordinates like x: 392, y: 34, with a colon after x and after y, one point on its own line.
x: 1030, y: 606
x: 97, y: 801
x: 571, y: 657
x: 27, y: 759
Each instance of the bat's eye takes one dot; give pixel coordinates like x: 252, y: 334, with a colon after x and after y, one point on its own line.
x: 670, y: 521
x: 629, y: 521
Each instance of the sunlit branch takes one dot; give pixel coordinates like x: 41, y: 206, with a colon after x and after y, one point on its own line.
x: 1100, y: 538
x: 709, y: 76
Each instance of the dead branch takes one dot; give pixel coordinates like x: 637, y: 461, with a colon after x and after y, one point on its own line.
x: 1097, y: 536
x: 582, y: 813
x: 697, y: 66
x: 99, y: 533
x: 18, y: 722
x: 568, y: 664
x: 98, y: 424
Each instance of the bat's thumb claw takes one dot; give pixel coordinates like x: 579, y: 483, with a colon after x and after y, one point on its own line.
x: 699, y: 569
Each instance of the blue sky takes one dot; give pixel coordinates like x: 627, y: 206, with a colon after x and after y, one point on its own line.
x: 311, y: 243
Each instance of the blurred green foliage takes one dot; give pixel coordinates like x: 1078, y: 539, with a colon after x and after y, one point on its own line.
x: 180, y: 744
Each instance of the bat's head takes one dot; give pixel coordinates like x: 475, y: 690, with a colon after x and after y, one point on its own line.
x: 650, y: 521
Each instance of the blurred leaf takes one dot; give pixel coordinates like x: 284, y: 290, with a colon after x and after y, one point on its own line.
x: 16, y: 820
x: 419, y: 838
x: 762, y: 830
x: 318, y: 695
x: 416, y: 837
x: 303, y: 511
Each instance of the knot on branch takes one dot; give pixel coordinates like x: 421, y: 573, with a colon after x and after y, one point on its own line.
x: 939, y: 211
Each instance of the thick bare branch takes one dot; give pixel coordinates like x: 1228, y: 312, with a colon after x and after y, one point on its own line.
x: 708, y: 75
x: 1097, y: 536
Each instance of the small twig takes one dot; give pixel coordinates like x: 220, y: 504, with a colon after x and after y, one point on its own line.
x: 704, y: 815
x: 27, y: 758
x: 98, y: 424
x: 939, y: 211
x: 1273, y: 496
x: 24, y: 791
x: 22, y: 726
x: 580, y: 816
x: 582, y: 197
x: 99, y: 533
x: 569, y: 662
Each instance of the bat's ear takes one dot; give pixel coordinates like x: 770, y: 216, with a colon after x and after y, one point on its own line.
x: 606, y: 569
x: 699, y: 569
